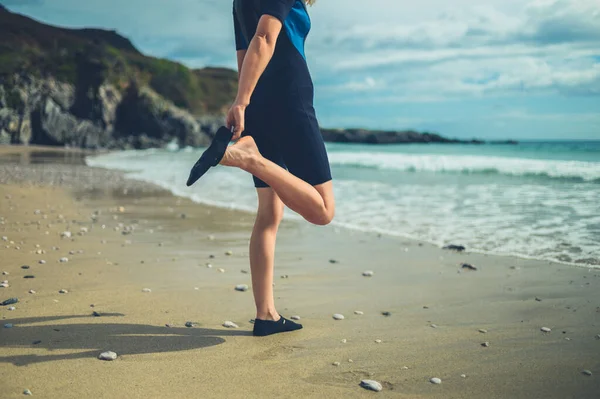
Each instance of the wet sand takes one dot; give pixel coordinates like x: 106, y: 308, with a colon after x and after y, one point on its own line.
x: 154, y: 240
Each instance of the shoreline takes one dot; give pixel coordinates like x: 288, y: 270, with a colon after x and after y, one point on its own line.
x: 155, y: 240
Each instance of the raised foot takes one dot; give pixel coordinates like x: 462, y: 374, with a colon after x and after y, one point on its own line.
x: 241, y: 154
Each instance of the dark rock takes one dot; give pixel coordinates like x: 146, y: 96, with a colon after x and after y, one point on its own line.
x: 36, y: 342
x: 333, y: 261
x: 457, y: 248
x: 468, y: 266
x: 96, y: 314
x: 24, y: 267
x: 29, y: 276
x: 9, y: 301
x: 386, y: 314
x: 189, y: 324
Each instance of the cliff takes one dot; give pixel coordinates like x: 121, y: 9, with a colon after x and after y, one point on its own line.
x: 92, y: 88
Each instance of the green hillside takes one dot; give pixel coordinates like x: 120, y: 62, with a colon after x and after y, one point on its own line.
x: 95, y: 55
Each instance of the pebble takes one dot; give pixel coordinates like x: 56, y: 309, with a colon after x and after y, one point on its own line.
x: 63, y: 260
x: 434, y: 326
x: 333, y: 261
x: 4, y: 285
x: 146, y: 290
x: 538, y: 299
x: 463, y: 375
x: 545, y: 329
x: 386, y: 314
x: 344, y: 341
x: 211, y: 237
x: 368, y: 273
x: 483, y: 331
x: 468, y: 266
x: 42, y: 262
x: 371, y: 385
x: 5, y: 273
x: 221, y: 270
x: 598, y: 336
x: 435, y: 380
x: 230, y: 324
x: 241, y: 287
x: 31, y: 291
x: 63, y: 292
x: 65, y: 234
x: 338, y: 316
x: 189, y: 324
x: 8, y: 325
x: 71, y: 252
x: 378, y: 341
x: 25, y: 267
x: 27, y: 392
x: 359, y: 312
x: 208, y: 265
x: 96, y: 314
x: 350, y: 361
x: 587, y: 372
x: 4, y: 238
x: 12, y: 308
x: 29, y: 276
x: 336, y: 363
x: 485, y: 344
x: 36, y: 342
x: 244, y: 271
x: 229, y: 253
x: 404, y: 368
x: 10, y: 301
x: 295, y: 317
x: 109, y: 355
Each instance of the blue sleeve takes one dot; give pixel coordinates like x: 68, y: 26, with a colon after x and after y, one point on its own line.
x: 240, y: 40
x: 277, y: 8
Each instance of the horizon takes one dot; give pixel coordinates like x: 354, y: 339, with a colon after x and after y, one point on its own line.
x: 484, y: 72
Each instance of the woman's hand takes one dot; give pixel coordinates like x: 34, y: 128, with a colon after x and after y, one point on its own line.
x: 235, y: 118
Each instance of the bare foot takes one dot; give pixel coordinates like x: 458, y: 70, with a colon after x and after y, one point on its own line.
x: 241, y: 154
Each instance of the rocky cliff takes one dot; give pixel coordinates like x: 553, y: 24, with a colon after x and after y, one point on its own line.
x: 93, y: 89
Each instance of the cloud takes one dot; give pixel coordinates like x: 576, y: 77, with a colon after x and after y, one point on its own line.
x: 551, y: 47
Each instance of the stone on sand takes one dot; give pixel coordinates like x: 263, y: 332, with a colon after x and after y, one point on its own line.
x: 295, y: 317
x: 545, y: 329
x: 485, y: 344
x: 146, y: 290
x: 42, y: 262
x: 108, y: 355
x: 336, y: 363
x: 371, y: 385
x: 230, y: 324
x: 63, y: 260
x: 368, y: 273
x: 587, y: 372
x: 435, y: 380
x: 241, y: 287
x: 338, y: 316
x: 483, y: 330
x: 359, y: 312
x: 63, y: 292
x: 65, y: 234
x: 27, y: 392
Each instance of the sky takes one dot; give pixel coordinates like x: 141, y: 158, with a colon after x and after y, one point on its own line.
x: 491, y: 69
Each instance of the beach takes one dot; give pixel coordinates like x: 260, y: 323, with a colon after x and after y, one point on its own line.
x: 121, y: 237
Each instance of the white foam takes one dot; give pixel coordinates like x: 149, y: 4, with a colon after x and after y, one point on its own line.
x: 587, y: 171
x: 542, y: 221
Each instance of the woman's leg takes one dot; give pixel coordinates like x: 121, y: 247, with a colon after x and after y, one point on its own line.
x: 314, y: 203
x: 262, y: 252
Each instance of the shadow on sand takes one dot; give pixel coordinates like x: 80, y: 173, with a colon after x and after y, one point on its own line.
x: 124, y: 339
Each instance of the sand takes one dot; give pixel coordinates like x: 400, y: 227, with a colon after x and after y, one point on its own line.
x: 166, y: 247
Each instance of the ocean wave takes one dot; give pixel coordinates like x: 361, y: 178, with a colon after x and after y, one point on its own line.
x: 470, y: 164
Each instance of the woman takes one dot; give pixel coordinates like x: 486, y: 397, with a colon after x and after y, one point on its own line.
x: 274, y: 115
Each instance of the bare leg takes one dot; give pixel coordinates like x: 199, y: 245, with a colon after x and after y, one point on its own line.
x: 262, y: 252
x: 315, y: 204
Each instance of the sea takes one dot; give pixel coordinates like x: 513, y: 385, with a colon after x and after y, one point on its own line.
x: 535, y: 199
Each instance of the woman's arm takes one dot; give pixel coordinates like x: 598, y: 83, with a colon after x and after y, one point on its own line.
x: 251, y: 65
